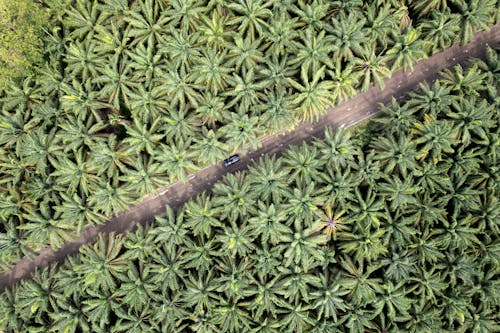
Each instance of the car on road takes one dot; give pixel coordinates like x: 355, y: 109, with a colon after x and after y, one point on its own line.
x: 231, y: 160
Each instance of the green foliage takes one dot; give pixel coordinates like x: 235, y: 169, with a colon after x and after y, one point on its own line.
x: 21, y: 45
x: 134, y: 95
x: 396, y: 230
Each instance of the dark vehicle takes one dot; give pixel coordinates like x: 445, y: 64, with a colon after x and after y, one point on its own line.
x: 231, y: 160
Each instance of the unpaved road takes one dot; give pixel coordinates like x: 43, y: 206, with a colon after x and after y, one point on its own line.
x: 359, y: 108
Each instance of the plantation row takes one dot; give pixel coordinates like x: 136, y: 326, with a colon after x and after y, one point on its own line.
x: 392, y: 227
x: 136, y: 95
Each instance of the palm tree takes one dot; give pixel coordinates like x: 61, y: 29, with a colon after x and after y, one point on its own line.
x: 76, y: 210
x: 399, y: 154
x: 433, y: 6
x: 363, y: 242
x: 282, y: 33
x: 179, y: 125
x: 200, y: 292
x: 397, y: 118
x: 144, y: 177
x: 242, y: 132
x: 230, y: 316
x: 38, y: 149
x: 82, y: 101
x: 251, y: 17
x: 134, y: 321
x: 399, y: 267
x: 171, y: 231
x: 368, y: 169
x: 368, y: 209
x: 99, y: 307
x: 177, y: 160
x: 338, y: 149
x: 394, y: 302
x: 311, y: 15
x: 111, y: 199
x: 347, y: 35
x: 301, y: 247
x: 363, y: 289
x: 372, y: 68
x: 269, y: 179
x: 36, y: 297
x: 235, y: 278
x: 181, y: 48
x: 268, y: 224
x: 83, y: 59
x: 312, y: 51
x: 244, y: 91
x: 380, y: 23
x: 245, y: 54
x: 147, y: 104
x: 432, y: 99
x: 82, y: 19
x: 78, y: 176
x: 185, y: 14
x: 180, y: 86
x: 212, y: 110
x: 441, y: 30
x: 167, y: 268
x: 468, y: 82
x: 427, y: 249
x: 209, y: 147
x: 302, y: 204
x: 303, y: 163
x: 475, y: 16
x: 212, y: 70
x: 407, y: 49
x: 296, y: 318
x: 332, y: 220
x: 8, y: 316
x: 312, y: 96
x: 22, y: 96
x: 75, y: 134
x: 433, y: 177
x: 45, y: 227
x: 328, y: 299
x: 215, y: 30
x: 102, y: 267
x: 142, y: 65
x: 169, y: 315
x: 115, y: 83
x: 143, y: 137
x: 200, y: 254
x: 435, y: 137
x: 429, y: 284
x: 266, y: 298
x: 266, y: 259
x: 69, y: 316
x: 236, y: 239
x: 274, y: 74
x: 201, y: 216
x: 467, y: 114
x: 138, y: 287
x: 344, y: 82
x: 146, y: 22
x: 276, y: 111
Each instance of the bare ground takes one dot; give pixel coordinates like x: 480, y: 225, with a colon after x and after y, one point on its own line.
x: 357, y: 109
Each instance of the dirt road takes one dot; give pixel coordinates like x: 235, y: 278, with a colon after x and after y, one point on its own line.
x: 359, y: 108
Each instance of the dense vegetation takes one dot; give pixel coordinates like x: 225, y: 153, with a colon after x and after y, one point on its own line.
x: 137, y: 94
x: 21, y: 45
x: 391, y: 228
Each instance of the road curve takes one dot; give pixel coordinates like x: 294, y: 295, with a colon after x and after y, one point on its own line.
x: 354, y: 110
